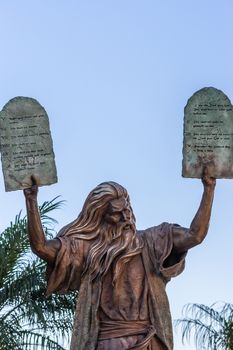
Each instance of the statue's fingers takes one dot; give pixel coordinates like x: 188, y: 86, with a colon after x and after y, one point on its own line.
x: 26, y: 191
x: 205, y: 172
x: 35, y: 180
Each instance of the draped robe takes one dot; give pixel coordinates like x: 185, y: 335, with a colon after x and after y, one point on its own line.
x: 66, y: 274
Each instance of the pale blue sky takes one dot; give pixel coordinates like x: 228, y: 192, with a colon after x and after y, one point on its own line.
x: 114, y: 77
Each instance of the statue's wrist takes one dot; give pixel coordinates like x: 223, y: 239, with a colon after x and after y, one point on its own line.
x: 209, y: 188
x: 32, y: 201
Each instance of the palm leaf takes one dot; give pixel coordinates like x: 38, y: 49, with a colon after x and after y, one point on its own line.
x: 211, y: 327
x: 26, y: 316
x: 14, y: 243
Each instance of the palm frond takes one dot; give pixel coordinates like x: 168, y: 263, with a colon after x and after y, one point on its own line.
x: 210, y: 326
x: 26, y: 315
x: 36, y: 341
x: 14, y: 243
x: 47, y: 207
x: 10, y: 335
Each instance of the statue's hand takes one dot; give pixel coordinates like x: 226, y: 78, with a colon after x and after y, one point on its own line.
x: 31, y: 192
x: 207, y: 180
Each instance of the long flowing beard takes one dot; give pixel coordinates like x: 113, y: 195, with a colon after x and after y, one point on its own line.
x: 116, y: 245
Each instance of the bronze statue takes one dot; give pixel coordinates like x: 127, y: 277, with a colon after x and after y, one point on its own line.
x: 121, y: 273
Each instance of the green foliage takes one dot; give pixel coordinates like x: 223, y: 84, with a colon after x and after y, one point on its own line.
x: 211, y: 327
x: 27, y: 317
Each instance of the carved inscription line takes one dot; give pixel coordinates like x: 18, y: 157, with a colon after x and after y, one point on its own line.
x: 202, y: 110
x: 16, y: 119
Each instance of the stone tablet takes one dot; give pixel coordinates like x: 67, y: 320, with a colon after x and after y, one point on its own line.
x: 208, y: 135
x: 26, y: 144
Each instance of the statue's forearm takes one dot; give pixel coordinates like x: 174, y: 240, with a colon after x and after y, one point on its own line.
x: 185, y: 239
x: 199, y: 226
x: 45, y: 249
x: 35, y: 229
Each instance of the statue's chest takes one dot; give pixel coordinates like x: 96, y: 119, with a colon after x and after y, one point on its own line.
x: 127, y: 298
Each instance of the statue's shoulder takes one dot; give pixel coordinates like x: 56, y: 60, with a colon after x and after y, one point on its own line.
x: 157, y: 234
x: 155, y: 231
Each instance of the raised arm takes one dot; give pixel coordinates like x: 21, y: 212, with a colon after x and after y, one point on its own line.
x: 45, y: 249
x: 185, y: 239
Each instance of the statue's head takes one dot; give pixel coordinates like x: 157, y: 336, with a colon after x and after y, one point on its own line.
x: 107, y: 204
x: 119, y: 211
x: 107, y: 220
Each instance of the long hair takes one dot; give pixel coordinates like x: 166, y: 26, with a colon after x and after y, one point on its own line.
x: 111, y: 243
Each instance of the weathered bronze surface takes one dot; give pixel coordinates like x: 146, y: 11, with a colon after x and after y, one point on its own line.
x: 26, y: 144
x: 121, y: 273
x: 208, y: 134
